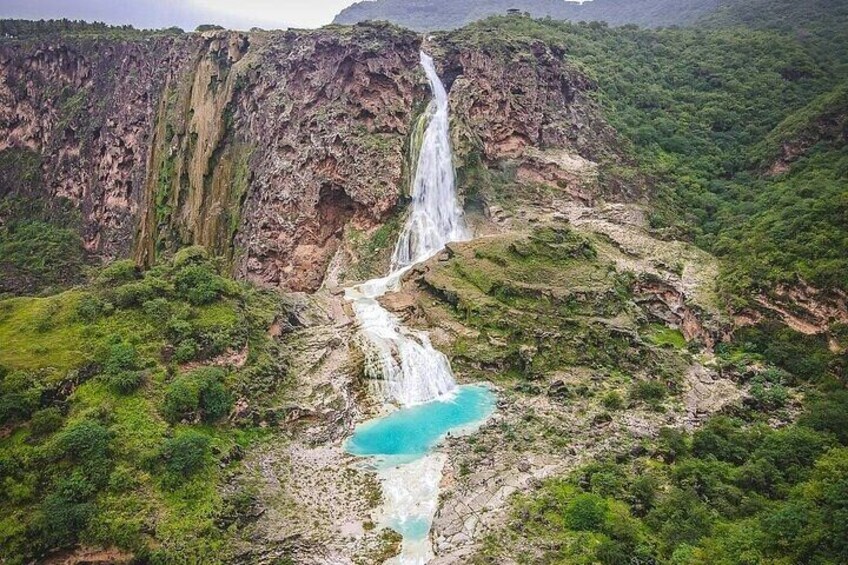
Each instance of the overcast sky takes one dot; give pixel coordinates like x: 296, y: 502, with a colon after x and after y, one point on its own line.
x: 187, y: 14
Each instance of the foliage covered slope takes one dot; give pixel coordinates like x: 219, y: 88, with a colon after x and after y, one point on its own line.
x: 114, y: 401
x: 736, y: 490
x: 704, y: 111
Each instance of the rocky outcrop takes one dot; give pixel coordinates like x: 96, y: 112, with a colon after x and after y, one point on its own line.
x: 667, y: 304
x: 803, y: 308
x: 253, y: 145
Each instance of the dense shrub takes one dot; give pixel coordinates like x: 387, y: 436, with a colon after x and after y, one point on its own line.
x: 192, y: 255
x: 118, y: 273
x: 185, y: 351
x: 586, y: 512
x: 185, y: 454
x: 89, y: 307
x: 829, y: 413
x: 197, y: 395
x: 199, y: 284
x: 85, y: 441
x: 20, y: 396
x: 158, y: 309
x: 46, y: 421
x: 121, y: 357
x: 723, y: 439
x: 125, y: 382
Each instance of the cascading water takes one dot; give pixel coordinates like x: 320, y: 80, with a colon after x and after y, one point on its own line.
x: 402, y: 363
x: 435, y: 218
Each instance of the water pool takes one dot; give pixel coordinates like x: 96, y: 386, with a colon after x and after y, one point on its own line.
x: 402, y: 447
x: 412, y: 432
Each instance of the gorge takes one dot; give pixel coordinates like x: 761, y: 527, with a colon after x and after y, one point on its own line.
x: 524, y: 291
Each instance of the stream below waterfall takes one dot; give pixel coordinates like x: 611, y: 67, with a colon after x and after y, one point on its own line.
x: 408, y: 373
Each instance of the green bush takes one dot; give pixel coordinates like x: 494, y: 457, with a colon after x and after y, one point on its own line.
x: 723, y: 439
x: 586, y: 512
x: 125, y: 382
x: 680, y: 517
x: 158, y: 309
x: 829, y: 414
x: 118, y: 273
x: 192, y: 255
x: 612, y: 401
x: 185, y: 351
x: 643, y: 493
x: 20, y: 396
x: 66, y: 514
x: 182, y: 400
x: 89, y: 308
x: 85, y: 441
x: 671, y: 444
x: 178, y: 328
x: 769, y: 398
x: 215, y: 400
x: 134, y: 294
x: 197, y: 395
x: 185, y: 454
x: 46, y: 421
x: 121, y: 357
x: 199, y: 284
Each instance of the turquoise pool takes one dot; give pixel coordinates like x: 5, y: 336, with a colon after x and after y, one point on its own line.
x: 410, y: 433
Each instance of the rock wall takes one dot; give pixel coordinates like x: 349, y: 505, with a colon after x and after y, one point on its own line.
x: 523, y: 103
x: 269, y: 147
x: 84, y: 111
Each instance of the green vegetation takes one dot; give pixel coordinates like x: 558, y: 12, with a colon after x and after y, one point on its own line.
x: 706, y: 112
x: 733, y: 491
x: 40, y: 246
x: 109, y: 439
x: 543, y: 303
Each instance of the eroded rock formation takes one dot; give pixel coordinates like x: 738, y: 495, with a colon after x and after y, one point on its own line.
x: 267, y: 146
x: 251, y: 144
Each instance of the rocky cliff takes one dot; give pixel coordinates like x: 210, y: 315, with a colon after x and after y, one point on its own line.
x: 271, y: 149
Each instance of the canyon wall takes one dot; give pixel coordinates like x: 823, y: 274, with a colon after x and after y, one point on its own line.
x: 268, y: 147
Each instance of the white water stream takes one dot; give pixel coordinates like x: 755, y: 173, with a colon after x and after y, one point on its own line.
x: 405, y: 365
x: 402, y: 363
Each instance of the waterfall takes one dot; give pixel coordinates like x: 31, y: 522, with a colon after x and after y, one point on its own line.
x: 402, y: 362
x: 435, y: 217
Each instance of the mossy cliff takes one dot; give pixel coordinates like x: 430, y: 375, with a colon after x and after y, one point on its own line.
x: 254, y: 144
x: 251, y: 144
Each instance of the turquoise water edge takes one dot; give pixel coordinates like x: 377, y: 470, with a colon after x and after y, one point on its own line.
x: 409, y: 433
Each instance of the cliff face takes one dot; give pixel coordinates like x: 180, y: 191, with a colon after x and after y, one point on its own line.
x: 84, y: 110
x: 269, y: 148
x: 259, y: 152
x: 250, y: 144
x: 525, y: 106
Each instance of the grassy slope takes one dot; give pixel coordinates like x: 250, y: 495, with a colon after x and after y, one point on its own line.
x: 153, y: 488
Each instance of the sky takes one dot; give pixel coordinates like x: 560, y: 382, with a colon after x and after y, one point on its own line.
x: 187, y: 14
